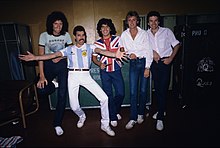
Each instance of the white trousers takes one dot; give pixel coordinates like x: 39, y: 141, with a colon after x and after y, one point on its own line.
x: 83, y: 78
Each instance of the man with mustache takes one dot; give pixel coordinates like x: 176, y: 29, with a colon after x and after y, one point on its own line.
x: 79, y: 61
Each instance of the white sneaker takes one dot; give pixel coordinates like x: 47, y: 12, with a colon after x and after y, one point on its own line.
x: 59, y: 130
x: 159, y: 125
x: 81, y: 121
x: 130, y: 124
x: 155, y: 115
x: 119, y: 117
x: 140, y: 119
x: 114, y: 123
x: 108, y: 130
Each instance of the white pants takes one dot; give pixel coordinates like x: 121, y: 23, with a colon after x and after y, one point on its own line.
x: 83, y: 78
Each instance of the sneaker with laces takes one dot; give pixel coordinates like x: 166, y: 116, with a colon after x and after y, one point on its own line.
x: 159, y: 125
x: 114, y: 123
x: 59, y: 130
x: 119, y: 117
x: 81, y: 121
x: 140, y: 119
x: 108, y: 130
x: 130, y: 124
x: 155, y: 115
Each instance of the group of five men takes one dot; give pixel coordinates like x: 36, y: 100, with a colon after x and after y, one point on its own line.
x: 152, y: 50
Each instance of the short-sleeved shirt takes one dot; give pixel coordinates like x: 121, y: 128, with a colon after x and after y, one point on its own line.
x: 54, y: 43
x: 79, y: 57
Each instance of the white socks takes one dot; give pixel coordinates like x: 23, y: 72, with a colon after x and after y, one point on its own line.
x: 59, y: 130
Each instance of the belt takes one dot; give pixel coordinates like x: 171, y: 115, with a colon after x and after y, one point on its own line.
x: 139, y: 58
x: 78, y: 69
x: 163, y: 58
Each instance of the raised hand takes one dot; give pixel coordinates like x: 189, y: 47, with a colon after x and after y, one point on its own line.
x: 121, y: 55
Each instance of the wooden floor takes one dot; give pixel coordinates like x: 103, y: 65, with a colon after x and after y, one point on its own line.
x: 184, y: 127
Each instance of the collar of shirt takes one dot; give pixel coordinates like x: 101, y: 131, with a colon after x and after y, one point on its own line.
x: 82, y: 47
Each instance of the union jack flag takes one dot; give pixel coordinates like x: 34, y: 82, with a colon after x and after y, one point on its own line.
x: 111, y: 45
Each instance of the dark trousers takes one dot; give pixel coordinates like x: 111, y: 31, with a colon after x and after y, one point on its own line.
x: 59, y: 71
x: 114, y: 80
x: 161, y: 78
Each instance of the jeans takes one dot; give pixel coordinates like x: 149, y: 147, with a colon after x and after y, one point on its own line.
x: 56, y: 70
x: 138, y: 88
x: 161, y: 77
x: 116, y: 80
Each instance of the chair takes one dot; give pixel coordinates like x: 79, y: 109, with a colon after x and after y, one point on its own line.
x: 18, y: 99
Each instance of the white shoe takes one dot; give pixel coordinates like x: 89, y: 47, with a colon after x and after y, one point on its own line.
x: 130, y: 124
x: 119, y: 117
x: 114, y: 123
x: 140, y: 119
x: 159, y: 125
x: 81, y: 121
x: 155, y: 115
x: 108, y: 130
x: 59, y: 130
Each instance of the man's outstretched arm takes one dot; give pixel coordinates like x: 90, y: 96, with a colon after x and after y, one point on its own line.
x: 31, y: 57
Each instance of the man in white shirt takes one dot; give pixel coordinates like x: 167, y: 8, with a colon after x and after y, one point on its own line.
x: 136, y: 43
x: 165, y: 47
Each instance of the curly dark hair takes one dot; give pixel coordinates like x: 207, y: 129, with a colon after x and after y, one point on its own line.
x: 133, y: 13
x: 80, y: 28
x: 107, y: 22
x: 54, y: 16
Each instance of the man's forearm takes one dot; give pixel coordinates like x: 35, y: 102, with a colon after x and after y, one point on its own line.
x: 105, y: 52
x: 175, y: 50
x: 47, y: 56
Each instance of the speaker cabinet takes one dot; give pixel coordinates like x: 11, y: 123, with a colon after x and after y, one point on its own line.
x: 195, y: 67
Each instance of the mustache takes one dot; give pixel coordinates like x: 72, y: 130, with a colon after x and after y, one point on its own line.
x: 81, y: 40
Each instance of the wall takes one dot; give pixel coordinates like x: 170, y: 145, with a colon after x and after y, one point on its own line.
x: 88, y: 12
